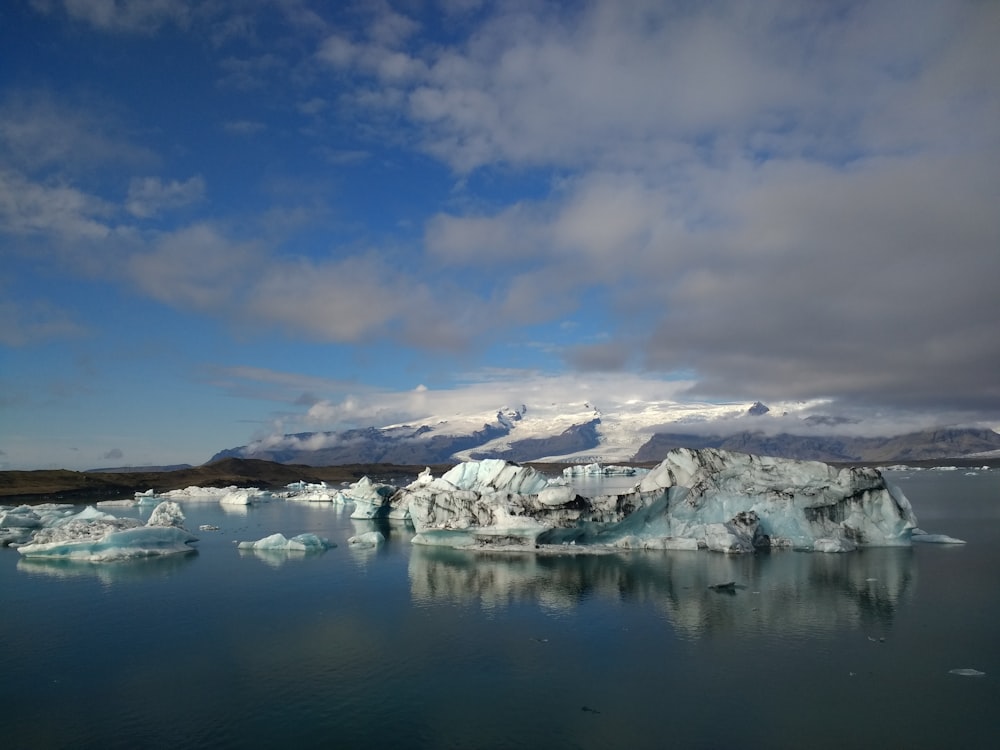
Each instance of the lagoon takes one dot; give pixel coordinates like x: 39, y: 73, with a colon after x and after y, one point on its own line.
x: 414, y: 647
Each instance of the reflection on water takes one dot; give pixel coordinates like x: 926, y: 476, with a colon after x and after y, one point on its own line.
x: 779, y: 593
x: 158, y: 566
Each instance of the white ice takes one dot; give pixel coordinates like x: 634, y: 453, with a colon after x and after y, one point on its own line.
x: 94, y: 536
x: 596, y: 470
x: 709, y: 499
x: 280, y: 543
x: 371, y: 499
x: 306, y: 492
x: 367, y: 539
x: 245, y: 496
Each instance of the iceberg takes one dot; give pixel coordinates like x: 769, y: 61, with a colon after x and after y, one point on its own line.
x: 94, y: 536
x: 306, y: 492
x: 694, y: 499
x: 371, y: 499
x: 923, y: 537
x: 279, y: 543
x: 367, y: 539
x: 245, y: 496
x: 596, y: 470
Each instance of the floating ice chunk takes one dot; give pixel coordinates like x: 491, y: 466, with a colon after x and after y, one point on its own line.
x: 371, y: 499
x: 245, y: 496
x: 728, y: 502
x: 124, y: 502
x: 966, y: 672
x: 368, y: 539
x: 926, y: 538
x: 596, y: 470
x: 198, y: 494
x: 305, y: 492
x: 834, y: 545
x: 280, y: 543
x: 93, y: 536
x: 166, y: 514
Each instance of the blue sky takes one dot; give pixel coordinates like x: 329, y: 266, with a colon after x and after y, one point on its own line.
x: 221, y: 220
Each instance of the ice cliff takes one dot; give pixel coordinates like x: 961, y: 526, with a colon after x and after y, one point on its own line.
x: 695, y: 499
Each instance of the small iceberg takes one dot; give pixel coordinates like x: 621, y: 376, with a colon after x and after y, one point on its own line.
x: 93, y: 536
x: 368, y: 539
x: 245, y: 496
x: 280, y: 543
x: 919, y: 535
x: 966, y: 672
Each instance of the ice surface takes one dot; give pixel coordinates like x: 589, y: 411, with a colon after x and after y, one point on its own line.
x: 95, y: 536
x: 279, y: 543
x: 926, y: 538
x: 367, y: 539
x: 305, y: 492
x: 708, y: 499
x: 596, y: 470
x: 245, y: 496
x: 371, y: 499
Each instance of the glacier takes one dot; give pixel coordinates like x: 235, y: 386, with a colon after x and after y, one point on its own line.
x: 694, y: 499
x: 95, y: 536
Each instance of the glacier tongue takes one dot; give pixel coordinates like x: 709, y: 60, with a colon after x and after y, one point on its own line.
x: 694, y: 499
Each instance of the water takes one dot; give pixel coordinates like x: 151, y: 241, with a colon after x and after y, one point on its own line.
x: 413, y: 647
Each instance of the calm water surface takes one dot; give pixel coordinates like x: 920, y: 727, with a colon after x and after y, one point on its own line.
x: 413, y: 647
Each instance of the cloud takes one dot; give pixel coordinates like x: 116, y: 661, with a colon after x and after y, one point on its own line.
x: 244, y: 127
x: 122, y: 16
x: 42, y: 134
x: 198, y: 267
x: 28, y: 207
x: 34, y: 321
x: 149, y: 196
x: 114, y: 453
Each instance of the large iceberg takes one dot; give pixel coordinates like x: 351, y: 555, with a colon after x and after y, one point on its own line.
x: 694, y: 499
x: 94, y: 536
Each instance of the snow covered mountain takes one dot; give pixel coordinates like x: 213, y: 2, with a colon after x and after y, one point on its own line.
x: 631, y: 431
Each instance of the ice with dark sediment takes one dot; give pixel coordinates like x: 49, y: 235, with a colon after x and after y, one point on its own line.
x: 694, y: 499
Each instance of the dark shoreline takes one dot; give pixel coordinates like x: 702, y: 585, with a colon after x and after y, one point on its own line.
x: 64, y: 486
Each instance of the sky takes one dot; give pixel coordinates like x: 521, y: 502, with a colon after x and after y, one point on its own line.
x: 226, y: 219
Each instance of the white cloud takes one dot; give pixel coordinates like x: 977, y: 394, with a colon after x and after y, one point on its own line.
x: 149, y: 196
x: 40, y: 132
x: 197, y: 267
x: 35, y: 321
x: 244, y: 127
x: 125, y: 16
x: 28, y: 207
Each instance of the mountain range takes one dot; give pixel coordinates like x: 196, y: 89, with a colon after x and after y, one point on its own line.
x: 633, y: 432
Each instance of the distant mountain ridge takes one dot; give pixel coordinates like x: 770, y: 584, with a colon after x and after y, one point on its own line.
x: 584, y: 434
